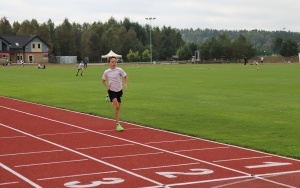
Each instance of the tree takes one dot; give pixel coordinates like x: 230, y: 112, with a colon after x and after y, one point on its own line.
x: 226, y: 47
x: 94, y: 47
x: 277, y: 45
x: 5, y: 27
x: 146, y: 56
x: 242, y: 48
x: 211, y: 49
x: 65, y: 39
x: 184, y: 52
x: 133, y: 56
x: 289, y: 48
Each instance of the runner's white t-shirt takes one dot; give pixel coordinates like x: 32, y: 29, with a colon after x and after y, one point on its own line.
x: 114, y: 77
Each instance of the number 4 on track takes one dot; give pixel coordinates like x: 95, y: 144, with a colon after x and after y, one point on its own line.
x: 194, y: 172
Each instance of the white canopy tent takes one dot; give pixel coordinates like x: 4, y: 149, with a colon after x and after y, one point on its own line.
x: 111, y: 54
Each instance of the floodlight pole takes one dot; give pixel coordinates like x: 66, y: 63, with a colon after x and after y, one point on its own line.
x: 150, y: 18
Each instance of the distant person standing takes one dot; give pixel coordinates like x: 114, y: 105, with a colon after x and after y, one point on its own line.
x: 245, y: 60
x: 85, y: 63
x: 80, y: 68
x: 261, y: 59
x: 112, y: 80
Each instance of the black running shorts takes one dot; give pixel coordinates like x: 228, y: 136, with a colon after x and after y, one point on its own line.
x: 112, y: 95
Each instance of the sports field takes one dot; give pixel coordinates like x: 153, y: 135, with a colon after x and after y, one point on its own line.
x: 232, y: 103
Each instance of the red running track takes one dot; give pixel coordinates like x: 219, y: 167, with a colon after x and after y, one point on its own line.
x: 42, y: 146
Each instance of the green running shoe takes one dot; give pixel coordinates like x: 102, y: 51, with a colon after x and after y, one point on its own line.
x: 107, y: 98
x: 119, y: 127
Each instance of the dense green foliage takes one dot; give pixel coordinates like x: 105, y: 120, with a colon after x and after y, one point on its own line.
x: 230, y: 103
x: 96, y: 39
x: 265, y: 42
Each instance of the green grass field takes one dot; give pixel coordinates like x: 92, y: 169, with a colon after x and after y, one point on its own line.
x: 229, y: 103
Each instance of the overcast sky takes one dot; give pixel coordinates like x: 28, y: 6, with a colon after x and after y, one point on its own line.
x: 270, y: 15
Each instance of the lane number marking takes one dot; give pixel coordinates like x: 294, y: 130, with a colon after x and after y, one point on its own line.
x: 106, y: 181
x: 194, y: 172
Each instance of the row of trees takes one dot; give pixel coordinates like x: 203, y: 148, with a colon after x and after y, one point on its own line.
x: 131, y: 40
x: 223, y: 48
x: 96, y: 39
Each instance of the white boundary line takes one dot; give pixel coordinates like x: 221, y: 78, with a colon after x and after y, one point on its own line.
x: 56, y: 162
x: 76, y: 175
x: 147, y: 168
x: 188, y: 150
x: 246, y: 158
x: 27, y: 153
x: 20, y: 176
x: 9, y: 183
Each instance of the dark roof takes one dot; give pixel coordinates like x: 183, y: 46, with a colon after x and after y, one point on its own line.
x: 19, y: 41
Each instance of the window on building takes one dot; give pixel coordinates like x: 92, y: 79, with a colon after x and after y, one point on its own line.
x: 39, y: 45
x: 33, y: 45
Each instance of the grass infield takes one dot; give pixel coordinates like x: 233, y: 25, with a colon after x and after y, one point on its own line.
x: 230, y: 103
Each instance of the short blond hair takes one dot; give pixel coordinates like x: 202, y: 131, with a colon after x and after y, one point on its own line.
x: 111, y: 57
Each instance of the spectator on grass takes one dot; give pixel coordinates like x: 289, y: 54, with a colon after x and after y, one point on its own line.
x: 80, y: 68
x: 112, y: 80
x: 41, y: 67
x: 85, y: 63
x: 246, y: 60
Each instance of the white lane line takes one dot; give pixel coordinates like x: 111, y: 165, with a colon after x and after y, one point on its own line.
x: 200, y: 149
x: 208, y: 181
x: 278, y: 173
x: 147, y: 168
x: 82, y: 154
x: 127, y: 129
x: 55, y: 134
x: 111, y: 146
x: 234, y: 183
x: 9, y: 183
x: 239, y: 159
x: 76, y: 175
x: 27, y: 153
x: 233, y: 178
x: 120, y: 156
x: 56, y: 162
x: 20, y: 176
x: 170, y: 141
x: 9, y: 137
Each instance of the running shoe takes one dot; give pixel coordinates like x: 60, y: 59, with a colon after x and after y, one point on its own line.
x: 119, y: 127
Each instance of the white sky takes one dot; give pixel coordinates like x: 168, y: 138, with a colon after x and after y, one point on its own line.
x: 270, y: 15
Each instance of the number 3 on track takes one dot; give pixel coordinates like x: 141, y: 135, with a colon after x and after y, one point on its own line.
x: 195, y: 172
x: 76, y: 184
